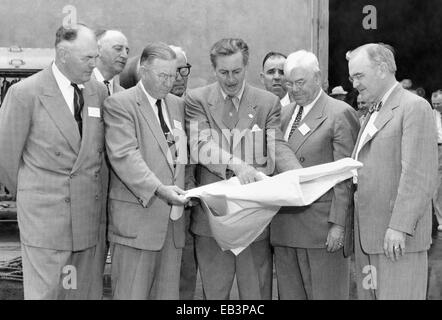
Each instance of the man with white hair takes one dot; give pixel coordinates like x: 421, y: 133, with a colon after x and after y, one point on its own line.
x: 397, y: 145
x: 308, y: 241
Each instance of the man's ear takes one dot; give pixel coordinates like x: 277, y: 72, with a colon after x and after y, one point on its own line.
x: 63, y: 53
x: 261, y: 77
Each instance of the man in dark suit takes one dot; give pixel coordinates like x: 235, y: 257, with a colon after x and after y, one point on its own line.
x: 52, y: 149
x: 308, y: 241
x: 397, y: 145
x: 144, y: 140
x: 240, y: 126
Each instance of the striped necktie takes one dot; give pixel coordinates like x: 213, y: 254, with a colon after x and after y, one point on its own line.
x: 297, y: 121
x: 78, y: 106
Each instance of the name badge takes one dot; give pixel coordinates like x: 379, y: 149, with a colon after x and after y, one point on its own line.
x: 177, y: 124
x: 93, y: 112
x: 304, y: 129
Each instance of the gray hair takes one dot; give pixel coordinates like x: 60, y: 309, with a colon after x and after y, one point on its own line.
x: 178, y: 50
x: 301, y: 58
x: 377, y: 53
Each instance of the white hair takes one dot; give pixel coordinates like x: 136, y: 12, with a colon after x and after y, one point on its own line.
x: 303, y: 59
x: 178, y: 50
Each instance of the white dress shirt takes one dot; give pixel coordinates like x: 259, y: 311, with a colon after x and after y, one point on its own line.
x: 285, y: 100
x: 153, y: 102
x: 306, y: 110
x: 65, y: 87
x: 237, y: 98
x: 101, y: 79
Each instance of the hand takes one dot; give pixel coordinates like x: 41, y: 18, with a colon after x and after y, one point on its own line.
x: 335, y: 238
x: 173, y: 195
x: 394, y: 244
x: 247, y: 174
x: 193, y: 202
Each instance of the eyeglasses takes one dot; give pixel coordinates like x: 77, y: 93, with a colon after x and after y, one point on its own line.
x: 299, y: 84
x: 184, y: 71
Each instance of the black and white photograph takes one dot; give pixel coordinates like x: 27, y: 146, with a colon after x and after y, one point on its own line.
x: 223, y: 155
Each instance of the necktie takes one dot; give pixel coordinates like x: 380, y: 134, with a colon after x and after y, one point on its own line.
x: 164, y: 127
x: 375, y: 108
x: 297, y: 121
x: 107, y: 86
x: 230, y: 116
x: 78, y: 106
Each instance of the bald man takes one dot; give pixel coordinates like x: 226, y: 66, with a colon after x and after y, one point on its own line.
x: 52, y: 142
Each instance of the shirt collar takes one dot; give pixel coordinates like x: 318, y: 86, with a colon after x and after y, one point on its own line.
x: 239, y: 95
x: 388, y: 93
x: 152, y: 100
x: 99, y: 76
x: 62, y: 81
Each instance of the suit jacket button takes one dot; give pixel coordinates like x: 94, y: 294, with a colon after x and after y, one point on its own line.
x: 97, y: 197
x: 302, y: 159
x: 58, y: 153
x: 67, y: 200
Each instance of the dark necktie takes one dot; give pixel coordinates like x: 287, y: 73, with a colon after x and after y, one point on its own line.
x: 164, y: 127
x: 297, y: 121
x: 375, y: 108
x: 107, y: 86
x: 78, y: 107
x: 230, y: 115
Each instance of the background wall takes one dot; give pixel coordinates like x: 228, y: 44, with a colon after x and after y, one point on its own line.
x: 278, y: 25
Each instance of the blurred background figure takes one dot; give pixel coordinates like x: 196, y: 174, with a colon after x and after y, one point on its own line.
x: 407, y: 84
x: 436, y: 102
x: 339, y: 93
x: 183, y: 70
x: 363, y: 107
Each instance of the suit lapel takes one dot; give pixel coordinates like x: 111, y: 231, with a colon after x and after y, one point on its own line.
x: 53, y: 101
x: 247, y: 110
x: 384, y: 115
x: 312, y: 120
x: 151, y: 119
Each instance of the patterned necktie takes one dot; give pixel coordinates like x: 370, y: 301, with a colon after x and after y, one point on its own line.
x: 107, y: 83
x: 297, y: 121
x: 78, y: 107
x: 230, y: 116
x: 164, y: 127
x: 375, y: 108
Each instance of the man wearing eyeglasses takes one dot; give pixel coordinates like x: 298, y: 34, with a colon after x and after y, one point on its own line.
x: 309, y: 241
x: 130, y: 75
x: 144, y: 138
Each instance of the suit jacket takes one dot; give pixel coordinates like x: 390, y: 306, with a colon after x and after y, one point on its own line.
x: 54, y: 172
x: 333, y: 130
x: 399, y: 176
x: 259, y: 122
x: 141, y: 162
x: 129, y: 76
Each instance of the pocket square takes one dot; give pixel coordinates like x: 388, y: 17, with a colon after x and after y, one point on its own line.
x: 256, y: 128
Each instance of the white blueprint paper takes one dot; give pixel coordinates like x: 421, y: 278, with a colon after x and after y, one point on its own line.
x: 238, y: 214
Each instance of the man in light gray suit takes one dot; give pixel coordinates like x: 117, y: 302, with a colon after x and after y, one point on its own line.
x: 52, y: 149
x: 144, y: 140
x: 218, y: 112
x: 398, y: 148
x: 308, y: 241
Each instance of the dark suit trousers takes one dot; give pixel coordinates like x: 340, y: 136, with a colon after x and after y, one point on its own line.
x: 143, y: 274
x: 253, y: 269
x: 311, y: 274
x: 57, y: 274
x: 377, y: 277
x: 189, y: 269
